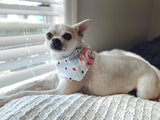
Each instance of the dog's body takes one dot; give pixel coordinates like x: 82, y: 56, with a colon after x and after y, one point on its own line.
x: 120, y: 74
x: 109, y: 74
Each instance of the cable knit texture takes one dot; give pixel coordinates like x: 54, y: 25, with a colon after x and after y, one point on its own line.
x: 80, y: 107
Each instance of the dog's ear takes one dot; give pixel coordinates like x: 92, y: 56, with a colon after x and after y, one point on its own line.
x: 82, y: 27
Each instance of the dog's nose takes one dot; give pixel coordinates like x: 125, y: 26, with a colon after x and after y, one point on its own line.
x: 57, y: 44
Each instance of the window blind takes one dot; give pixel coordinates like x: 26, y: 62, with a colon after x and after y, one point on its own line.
x: 23, y: 24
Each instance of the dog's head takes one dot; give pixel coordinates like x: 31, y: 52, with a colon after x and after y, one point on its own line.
x: 62, y: 40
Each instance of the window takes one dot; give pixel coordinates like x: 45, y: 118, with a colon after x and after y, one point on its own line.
x: 23, y: 24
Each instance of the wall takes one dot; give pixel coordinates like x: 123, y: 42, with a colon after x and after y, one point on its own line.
x: 115, y: 23
x: 155, y: 21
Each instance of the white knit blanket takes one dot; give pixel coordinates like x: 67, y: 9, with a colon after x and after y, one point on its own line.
x: 80, y: 107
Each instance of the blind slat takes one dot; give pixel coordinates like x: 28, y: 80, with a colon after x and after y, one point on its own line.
x: 22, y: 26
x: 22, y: 52
x: 27, y: 12
x: 24, y: 62
x: 25, y: 74
x: 43, y: 1
x: 33, y: 8
x: 16, y: 40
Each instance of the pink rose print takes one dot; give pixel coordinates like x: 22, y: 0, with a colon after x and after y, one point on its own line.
x: 85, y: 57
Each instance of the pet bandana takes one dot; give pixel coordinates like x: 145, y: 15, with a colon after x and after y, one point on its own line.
x: 76, y: 65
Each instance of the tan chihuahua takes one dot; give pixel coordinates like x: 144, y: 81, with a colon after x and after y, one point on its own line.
x: 81, y: 70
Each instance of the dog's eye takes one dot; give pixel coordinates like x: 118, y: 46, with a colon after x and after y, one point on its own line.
x: 67, y: 36
x: 49, y: 35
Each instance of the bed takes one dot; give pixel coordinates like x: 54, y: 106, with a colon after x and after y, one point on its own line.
x: 81, y: 107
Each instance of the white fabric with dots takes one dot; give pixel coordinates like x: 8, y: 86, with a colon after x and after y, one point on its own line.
x: 80, y: 107
x: 76, y: 65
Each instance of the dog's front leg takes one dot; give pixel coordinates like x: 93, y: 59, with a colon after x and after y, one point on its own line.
x: 47, y: 83
x: 65, y: 86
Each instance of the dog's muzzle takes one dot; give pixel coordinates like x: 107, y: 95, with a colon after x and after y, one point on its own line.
x: 56, y: 44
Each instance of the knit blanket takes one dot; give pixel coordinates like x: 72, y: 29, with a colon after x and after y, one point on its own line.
x: 80, y: 107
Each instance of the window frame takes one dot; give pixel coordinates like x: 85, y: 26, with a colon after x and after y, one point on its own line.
x: 71, y: 11
x: 70, y: 15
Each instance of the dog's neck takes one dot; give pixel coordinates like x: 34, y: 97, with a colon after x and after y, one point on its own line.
x: 63, y: 54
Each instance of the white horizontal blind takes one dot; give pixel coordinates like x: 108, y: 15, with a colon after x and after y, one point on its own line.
x: 23, y: 25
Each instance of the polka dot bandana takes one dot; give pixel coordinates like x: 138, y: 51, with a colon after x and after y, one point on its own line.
x: 76, y: 65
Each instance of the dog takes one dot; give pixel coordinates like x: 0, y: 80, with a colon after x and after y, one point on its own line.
x: 79, y: 69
